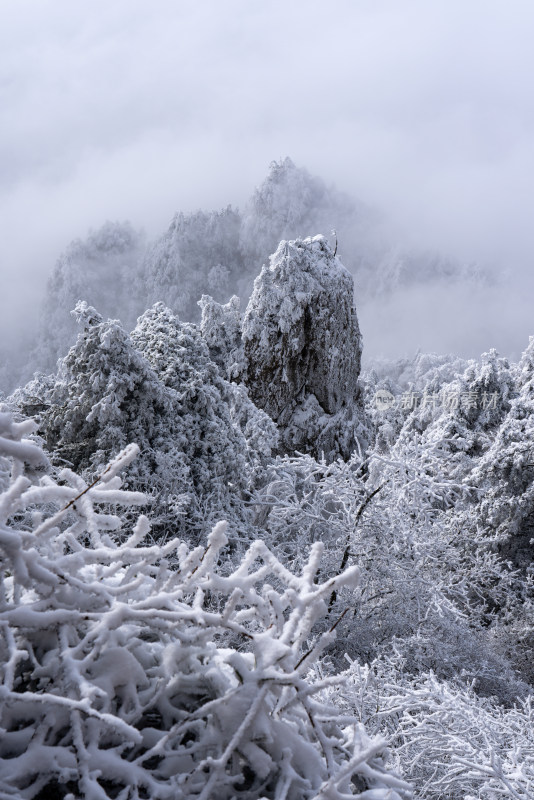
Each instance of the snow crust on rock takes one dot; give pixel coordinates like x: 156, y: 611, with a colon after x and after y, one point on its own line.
x: 302, y: 347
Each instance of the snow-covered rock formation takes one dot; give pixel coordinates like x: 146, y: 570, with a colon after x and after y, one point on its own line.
x: 301, y: 348
x: 300, y: 330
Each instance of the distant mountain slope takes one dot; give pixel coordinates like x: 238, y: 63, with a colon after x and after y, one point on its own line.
x: 219, y: 253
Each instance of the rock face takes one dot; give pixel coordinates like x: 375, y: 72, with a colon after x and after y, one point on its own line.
x: 302, y: 348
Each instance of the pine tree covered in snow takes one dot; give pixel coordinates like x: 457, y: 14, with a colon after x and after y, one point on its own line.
x: 227, y: 436
x: 456, y: 418
x: 505, y: 473
x: 221, y: 326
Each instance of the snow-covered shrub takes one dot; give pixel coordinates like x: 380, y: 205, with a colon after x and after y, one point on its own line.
x: 159, y: 387
x: 429, y: 585
x: 412, y: 385
x: 449, y: 742
x: 135, y: 671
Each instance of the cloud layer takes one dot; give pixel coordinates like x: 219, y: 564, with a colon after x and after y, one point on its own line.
x: 132, y: 111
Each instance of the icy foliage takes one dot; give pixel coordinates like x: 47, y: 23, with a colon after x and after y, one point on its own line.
x: 33, y: 398
x: 506, y: 471
x: 159, y: 387
x: 221, y: 328
x: 135, y: 671
x: 475, y: 430
x: 477, y: 425
x: 438, y: 414
x: 416, y: 373
x: 427, y: 584
x: 302, y: 348
x: 458, y: 419
x: 104, y: 393
x: 413, y: 386
x: 226, y: 434
x: 450, y: 742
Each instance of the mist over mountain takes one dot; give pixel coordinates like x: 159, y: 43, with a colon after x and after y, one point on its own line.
x: 220, y: 253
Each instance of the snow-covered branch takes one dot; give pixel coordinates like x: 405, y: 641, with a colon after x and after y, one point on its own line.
x: 152, y: 671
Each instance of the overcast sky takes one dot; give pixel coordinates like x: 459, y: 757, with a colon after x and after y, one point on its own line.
x: 126, y: 109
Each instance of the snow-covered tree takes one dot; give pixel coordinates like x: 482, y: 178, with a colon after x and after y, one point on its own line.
x: 411, y: 392
x: 201, y: 438
x: 449, y: 741
x: 105, y: 393
x: 452, y: 420
x: 430, y: 584
x: 221, y: 326
x: 225, y: 434
x: 505, y: 473
x: 131, y: 670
